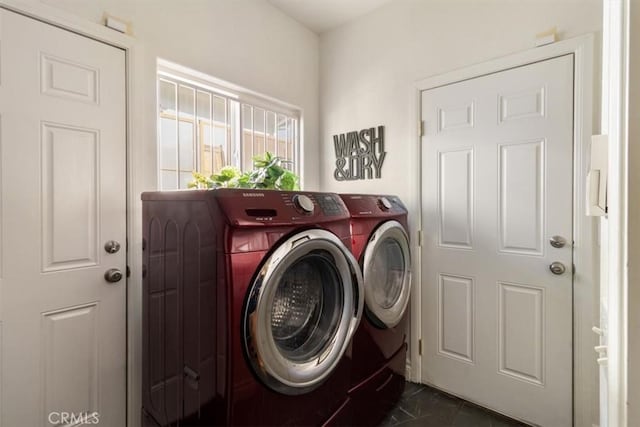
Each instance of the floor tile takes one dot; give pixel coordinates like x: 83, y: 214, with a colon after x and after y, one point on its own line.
x: 472, y: 416
x: 396, y: 416
x: 411, y: 389
x: 424, y: 406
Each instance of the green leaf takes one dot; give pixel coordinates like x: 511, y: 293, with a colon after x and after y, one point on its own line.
x: 201, y: 181
x: 287, y: 181
x: 226, y: 173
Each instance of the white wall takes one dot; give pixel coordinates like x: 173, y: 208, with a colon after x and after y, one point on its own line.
x: 368, y: 68
x: 249, y: 43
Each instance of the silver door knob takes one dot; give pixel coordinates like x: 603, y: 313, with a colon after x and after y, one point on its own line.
x: 112, y: 247
x: 558, y: 241
x: 113, y: 275
x: 557, y: 267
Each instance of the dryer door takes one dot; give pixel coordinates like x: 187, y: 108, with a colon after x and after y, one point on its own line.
x: 303, y: 308
x: 387, y: 274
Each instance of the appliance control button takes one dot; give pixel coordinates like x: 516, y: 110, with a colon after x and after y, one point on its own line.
x: 385, y: 204
x: 303, y: 202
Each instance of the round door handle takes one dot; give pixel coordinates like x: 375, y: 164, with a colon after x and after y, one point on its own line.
x: 113, y: 275
x: 557, y: 268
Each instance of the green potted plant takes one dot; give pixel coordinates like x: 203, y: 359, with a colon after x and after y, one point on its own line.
x: 268, y: 173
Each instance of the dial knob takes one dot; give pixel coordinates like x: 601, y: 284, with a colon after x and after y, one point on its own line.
x: 303, y: 203
x: 385, y: 204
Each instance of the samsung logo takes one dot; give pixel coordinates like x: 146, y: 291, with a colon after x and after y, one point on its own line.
x: 252, y: 194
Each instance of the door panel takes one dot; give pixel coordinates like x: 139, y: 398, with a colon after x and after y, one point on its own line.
x: 63, y: 193
x: 456, y: 320
x: 521, y: 197
x: 520, y: 332
x: 78, y: 375
x: 455, y: 198
x: 70, y: 190
x: 497, y: 184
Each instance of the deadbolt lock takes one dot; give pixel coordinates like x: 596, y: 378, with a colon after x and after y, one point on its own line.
x: 112, y: 247
x: 558, y: 241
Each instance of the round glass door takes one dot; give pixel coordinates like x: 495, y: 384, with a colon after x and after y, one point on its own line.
x: 387, y: 274
x: 302, y: 311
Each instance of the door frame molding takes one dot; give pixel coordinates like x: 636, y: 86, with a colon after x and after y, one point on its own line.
x: 135, y: 180
x: 585, y: 253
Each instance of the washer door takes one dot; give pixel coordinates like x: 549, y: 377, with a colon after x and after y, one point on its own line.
x: 387, y: 274
x: 302, y: 310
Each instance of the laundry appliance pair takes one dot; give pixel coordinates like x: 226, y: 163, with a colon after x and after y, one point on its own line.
x: 252, y: 308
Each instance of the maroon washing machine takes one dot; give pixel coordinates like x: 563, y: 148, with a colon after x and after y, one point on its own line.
x: 250, y: 302
x: 380, y: 243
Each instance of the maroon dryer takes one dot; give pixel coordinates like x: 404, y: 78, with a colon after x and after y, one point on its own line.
x: 250, y: 301
x: 380, y: 243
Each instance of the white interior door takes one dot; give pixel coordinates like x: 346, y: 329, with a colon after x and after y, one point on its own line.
x: 63, y: 195
x: 497, y: 186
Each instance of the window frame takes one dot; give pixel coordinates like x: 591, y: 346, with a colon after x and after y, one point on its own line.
x: 234, y: 146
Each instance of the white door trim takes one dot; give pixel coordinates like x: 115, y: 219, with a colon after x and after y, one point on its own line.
x: 585, y: 249
x: 615, y: 122
x: 135, y: 175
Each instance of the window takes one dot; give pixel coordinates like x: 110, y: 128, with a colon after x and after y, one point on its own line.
x: 201, y: 128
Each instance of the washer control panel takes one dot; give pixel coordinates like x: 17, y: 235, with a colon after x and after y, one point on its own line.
x: 314, y: 204
x: 330, y: 204
x: 253, y: 206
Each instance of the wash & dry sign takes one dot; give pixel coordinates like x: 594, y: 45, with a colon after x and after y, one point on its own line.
x: 359, y: 154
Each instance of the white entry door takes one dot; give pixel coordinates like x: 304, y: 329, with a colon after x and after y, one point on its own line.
x: 497, y: 187
x: 63, y: 196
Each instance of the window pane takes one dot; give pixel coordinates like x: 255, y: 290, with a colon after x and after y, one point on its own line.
x: 271, y: 132
x: 258, y: 132
x: 219, y: 109
x: 167, y: 97
x: 186, y: 101
x: 282, y: 136
x: 290, y: 142
x: 185, y: 178
x: 187, y: 158
x: 186, y: 131
x: 203, y: 105
x: 247, y: 137
x: 168, y: 180
x: 221, y: 135
x: 233, y: 134
x: 168, y: 143
x: 205, y: 136
x: 220, y: 157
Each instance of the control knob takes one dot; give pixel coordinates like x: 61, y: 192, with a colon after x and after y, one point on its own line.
x: 304, y: 203
x: 385, y: 204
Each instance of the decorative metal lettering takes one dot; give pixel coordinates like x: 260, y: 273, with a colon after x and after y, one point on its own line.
x: 359, y: 154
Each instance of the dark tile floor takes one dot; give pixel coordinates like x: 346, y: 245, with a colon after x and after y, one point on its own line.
x: 425, y: 406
